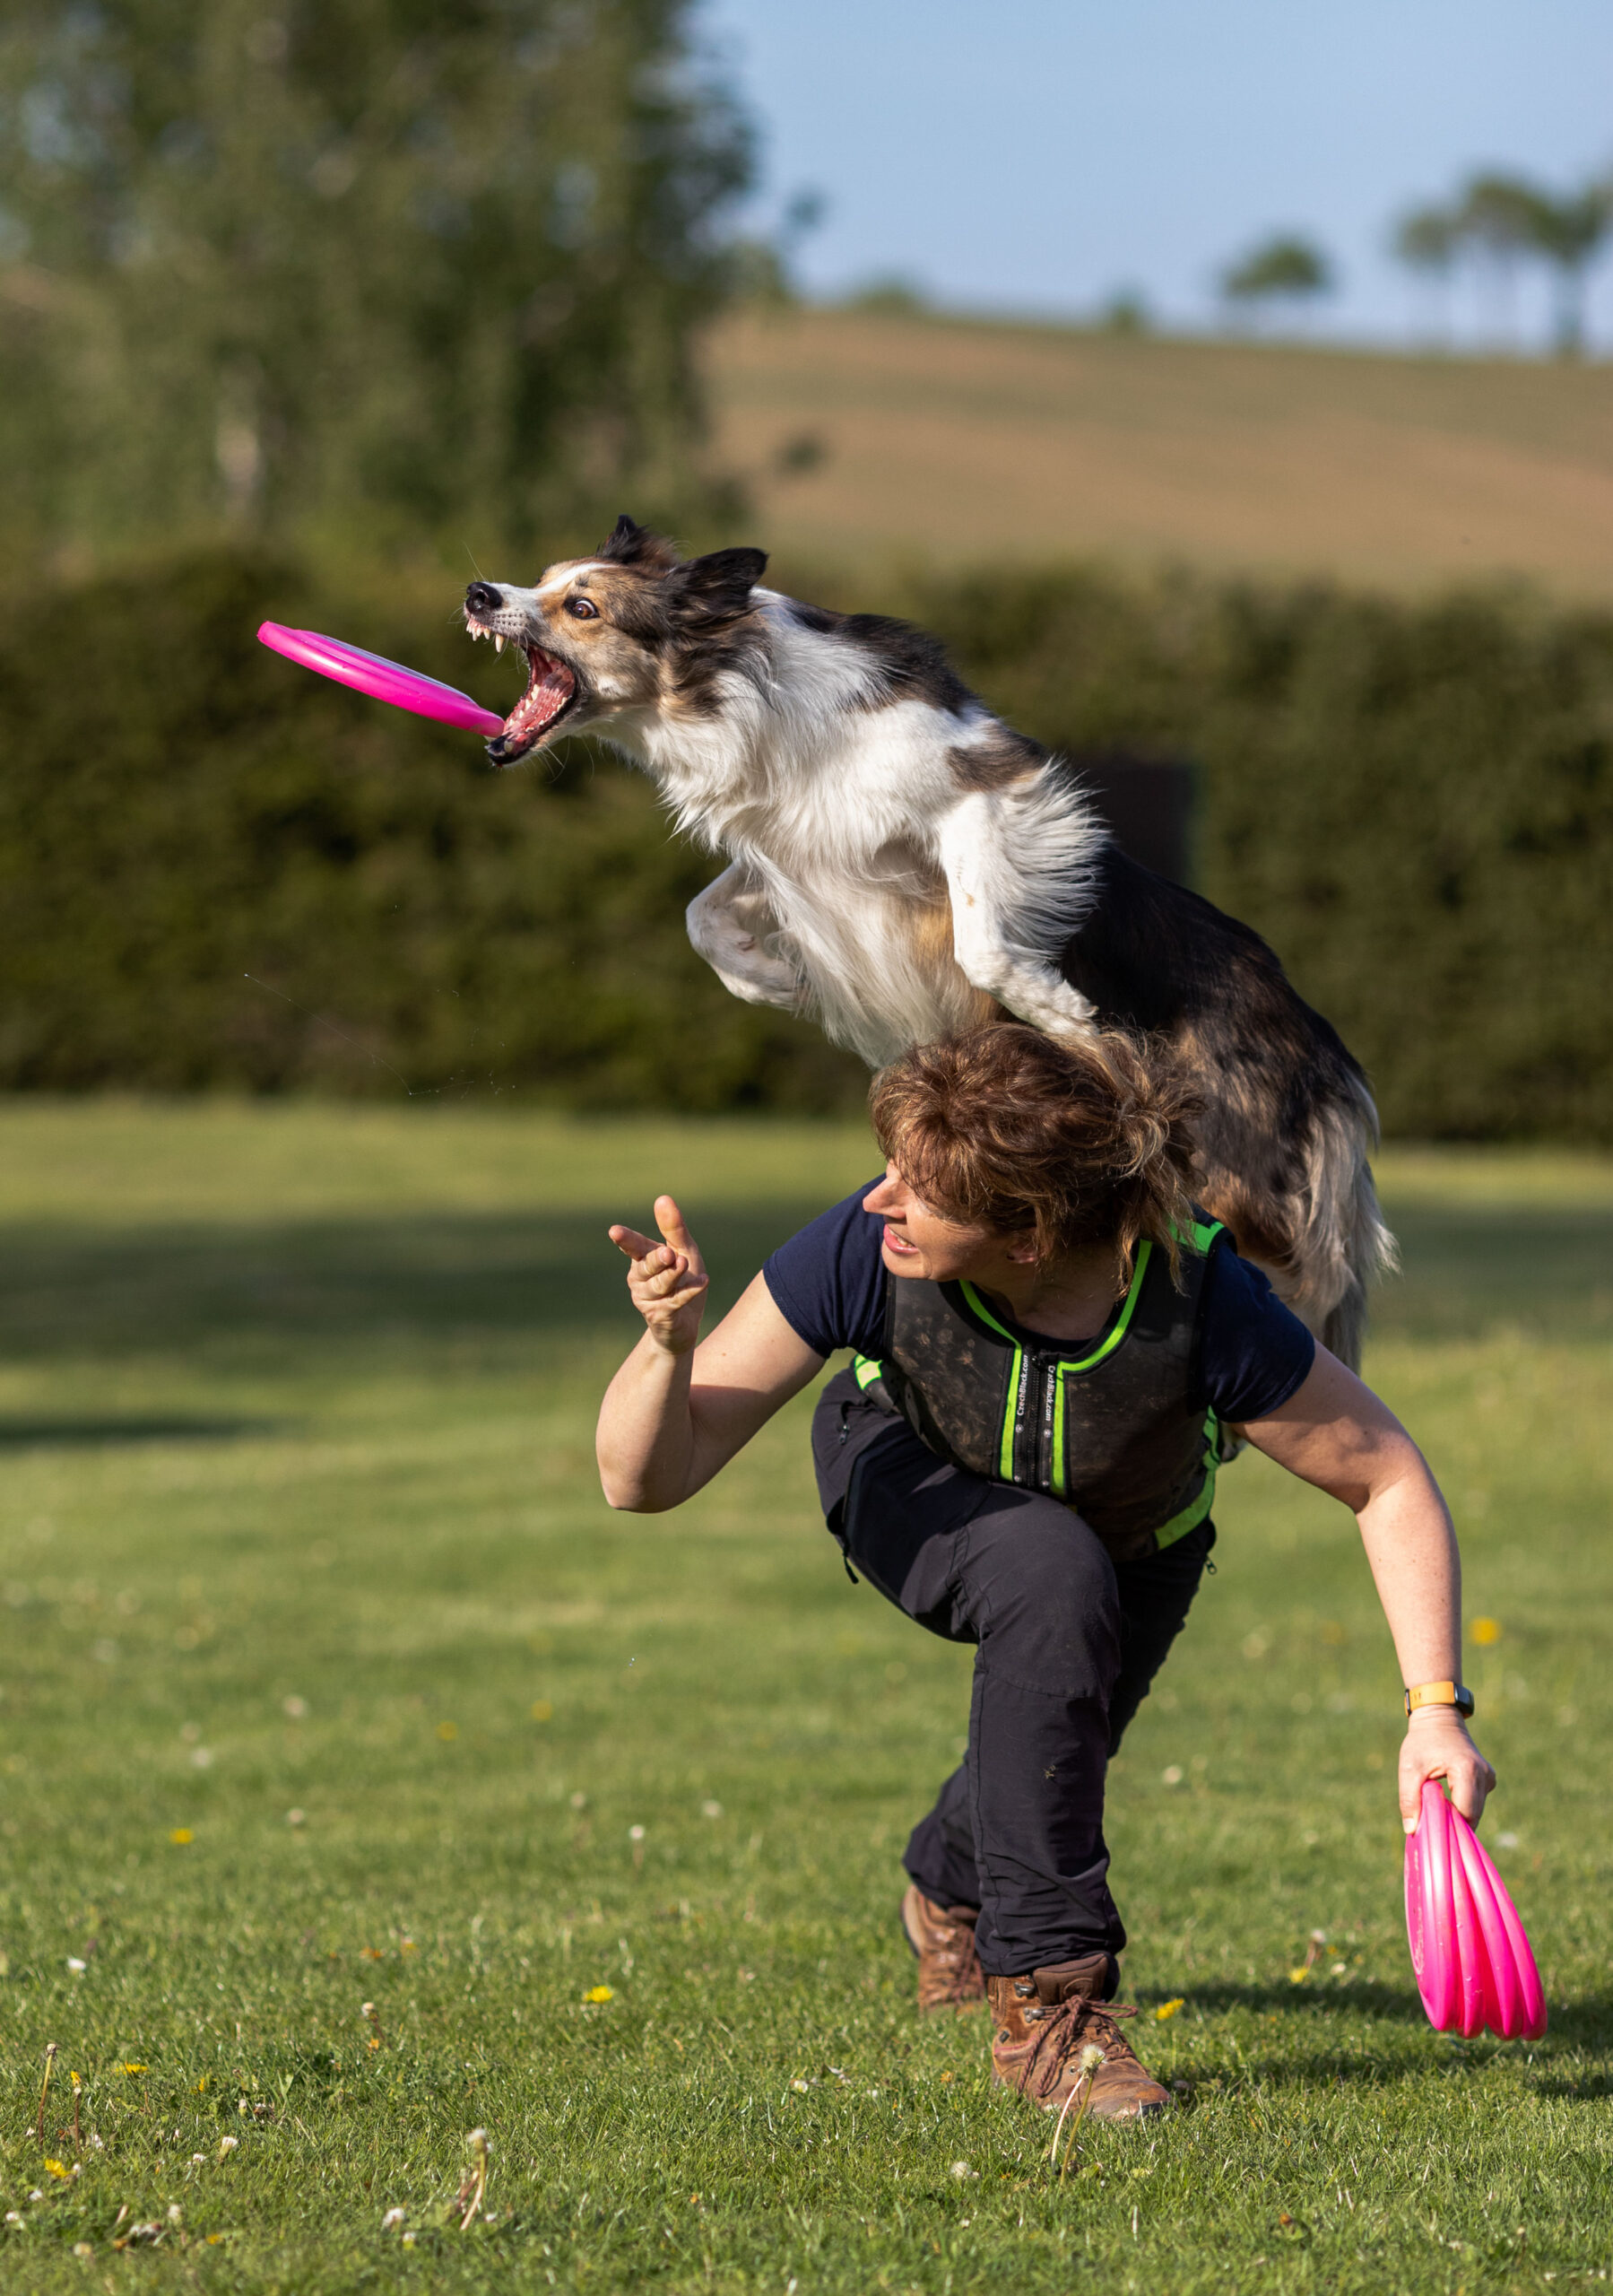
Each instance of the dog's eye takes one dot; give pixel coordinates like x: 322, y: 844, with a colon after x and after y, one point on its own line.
x: 582, y: 609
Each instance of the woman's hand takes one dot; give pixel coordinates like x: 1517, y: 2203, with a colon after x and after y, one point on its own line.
x: 667, y: 1282
x: 1436, y: 1744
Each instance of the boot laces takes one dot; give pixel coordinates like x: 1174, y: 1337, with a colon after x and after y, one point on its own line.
x: 1075, y: 2023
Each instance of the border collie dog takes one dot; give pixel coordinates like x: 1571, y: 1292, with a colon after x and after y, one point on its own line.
x: 902, y: 865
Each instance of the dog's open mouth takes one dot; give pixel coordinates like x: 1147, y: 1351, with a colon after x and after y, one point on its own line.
x: 550, y: 690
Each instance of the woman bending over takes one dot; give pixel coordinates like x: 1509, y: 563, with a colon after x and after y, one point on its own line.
x: 1052, y: 1350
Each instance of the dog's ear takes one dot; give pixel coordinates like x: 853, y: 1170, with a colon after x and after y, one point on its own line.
x: 626, y: 541
x: 717, y: 587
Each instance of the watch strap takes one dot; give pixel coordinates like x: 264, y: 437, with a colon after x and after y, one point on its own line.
x: 1446, y: 1693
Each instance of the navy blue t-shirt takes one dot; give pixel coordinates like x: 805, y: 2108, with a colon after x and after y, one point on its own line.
x: 828, y: 1284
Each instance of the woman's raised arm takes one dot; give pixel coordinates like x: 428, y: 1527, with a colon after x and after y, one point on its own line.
x: 680, y: 1407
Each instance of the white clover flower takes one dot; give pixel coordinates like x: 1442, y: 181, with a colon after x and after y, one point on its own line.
x: 393, y: 2217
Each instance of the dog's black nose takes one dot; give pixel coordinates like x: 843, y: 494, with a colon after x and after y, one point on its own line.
x: 481, y: 599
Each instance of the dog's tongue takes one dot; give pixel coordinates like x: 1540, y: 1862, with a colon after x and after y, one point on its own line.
x: 550, y: 689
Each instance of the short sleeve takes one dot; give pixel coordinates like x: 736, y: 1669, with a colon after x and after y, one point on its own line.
x: 829, y: 1282
x: 1253, y: 1353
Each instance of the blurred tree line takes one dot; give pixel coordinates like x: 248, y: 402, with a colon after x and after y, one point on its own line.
x: 374, y: 273
x: 1497, y: 221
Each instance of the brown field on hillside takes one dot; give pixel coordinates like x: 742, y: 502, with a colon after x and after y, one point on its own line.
x: 872, y: 439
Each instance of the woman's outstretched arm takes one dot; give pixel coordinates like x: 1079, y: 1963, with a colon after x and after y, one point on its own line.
x: 1334, y: 1433
x: 680, y: 1407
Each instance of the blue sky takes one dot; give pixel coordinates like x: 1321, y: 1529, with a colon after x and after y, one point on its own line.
x: 1039, y: 156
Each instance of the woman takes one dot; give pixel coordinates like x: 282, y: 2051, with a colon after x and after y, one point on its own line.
x: 1051, y: 1351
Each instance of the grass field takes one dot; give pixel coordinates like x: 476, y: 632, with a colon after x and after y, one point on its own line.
x: 329, y: 1681
x: 953, y: 441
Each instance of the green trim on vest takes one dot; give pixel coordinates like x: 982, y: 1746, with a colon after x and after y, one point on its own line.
x: 1015, y: 1401
x: 1111, y: 1431
x: 1195, y: 1511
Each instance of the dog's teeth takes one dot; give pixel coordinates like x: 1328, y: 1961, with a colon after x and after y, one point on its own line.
x: 499, y: 643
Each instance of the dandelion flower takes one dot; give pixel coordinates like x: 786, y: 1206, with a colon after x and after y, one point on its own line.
x: 1091, y: 2058
x: 448, y: 1732
x: 1485, y: 1631
x: 600, y: 1993
x: 543, y: 1710
x: 180, y: 1836
x: 58, y: 2169
x: 1168, y: 2008
x: 135, y: 2068
x: 226, y: 2145
x: 798, y: 2086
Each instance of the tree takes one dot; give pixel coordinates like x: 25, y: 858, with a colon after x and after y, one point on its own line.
x: 1501, y: 221
x: 1569, y: 234
x: 376, y: 267
x: 1284, y: 269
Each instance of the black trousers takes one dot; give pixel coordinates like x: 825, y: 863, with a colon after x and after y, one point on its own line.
x: 1067, y: 1643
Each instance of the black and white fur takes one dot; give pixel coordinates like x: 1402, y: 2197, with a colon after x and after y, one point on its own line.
x: 901, y: 864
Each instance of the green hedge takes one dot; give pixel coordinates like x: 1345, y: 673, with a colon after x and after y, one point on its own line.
x: 217, y: 870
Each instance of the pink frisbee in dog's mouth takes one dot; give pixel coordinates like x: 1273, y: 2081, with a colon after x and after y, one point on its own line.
x: 1472, y: 1961
x: 384, y: 680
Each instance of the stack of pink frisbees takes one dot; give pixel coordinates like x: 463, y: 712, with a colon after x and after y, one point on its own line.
x: 1473, y: 1965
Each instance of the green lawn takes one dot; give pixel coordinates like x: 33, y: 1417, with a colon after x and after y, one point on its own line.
x: 329, y: 1680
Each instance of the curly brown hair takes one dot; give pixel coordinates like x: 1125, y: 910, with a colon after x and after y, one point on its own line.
x: 1078, y: 1144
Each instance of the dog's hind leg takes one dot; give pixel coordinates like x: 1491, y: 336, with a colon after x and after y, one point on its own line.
x: 1018, y: 864
x: 731, y: 926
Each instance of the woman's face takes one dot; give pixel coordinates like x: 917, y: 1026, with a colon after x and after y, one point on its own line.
x: 918, y: 1241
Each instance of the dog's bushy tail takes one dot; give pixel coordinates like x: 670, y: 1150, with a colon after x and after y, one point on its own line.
x: 1344, y: 1246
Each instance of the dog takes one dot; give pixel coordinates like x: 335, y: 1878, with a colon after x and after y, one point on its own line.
x: 904, y: 865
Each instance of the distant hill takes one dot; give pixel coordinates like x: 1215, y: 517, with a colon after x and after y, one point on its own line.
x: 874, y: 438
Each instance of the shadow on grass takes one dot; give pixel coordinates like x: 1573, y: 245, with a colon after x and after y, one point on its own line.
x: 112, y: 1292
x: 1392, y: 2001
x: 32, y: 1434
x: 1579, y: 2025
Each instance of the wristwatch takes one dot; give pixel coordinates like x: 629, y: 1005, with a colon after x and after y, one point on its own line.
x: 1456, y: 1694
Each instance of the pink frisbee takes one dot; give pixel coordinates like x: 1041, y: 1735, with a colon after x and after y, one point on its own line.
x: 384, y: 680
x: 1472, y: 1961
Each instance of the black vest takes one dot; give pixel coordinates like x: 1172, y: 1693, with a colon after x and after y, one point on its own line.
x: 1116, y: 1433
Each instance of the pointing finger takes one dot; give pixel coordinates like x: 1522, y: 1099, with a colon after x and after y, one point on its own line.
x: 629, y: 1240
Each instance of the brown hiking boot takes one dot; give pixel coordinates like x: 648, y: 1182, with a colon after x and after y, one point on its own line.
x: 943, y: 1938
x: 1046, y: 2021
